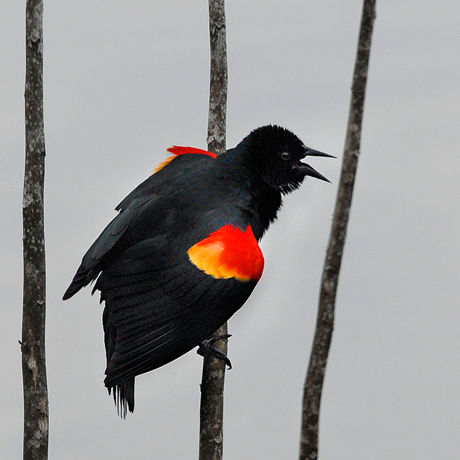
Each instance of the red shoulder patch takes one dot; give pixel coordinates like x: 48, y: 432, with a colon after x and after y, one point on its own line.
x: 229, y: 253
x: 177, y: 150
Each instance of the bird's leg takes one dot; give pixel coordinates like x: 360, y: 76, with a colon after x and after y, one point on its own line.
x: 207, y: 348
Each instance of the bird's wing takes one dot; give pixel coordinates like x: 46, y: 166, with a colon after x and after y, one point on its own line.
x: 149, y: 197
x: 173, y: 266
x: 165, y: 297
x: 91, y: 264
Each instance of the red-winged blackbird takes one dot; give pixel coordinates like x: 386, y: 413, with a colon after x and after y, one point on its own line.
x: 182, y: 255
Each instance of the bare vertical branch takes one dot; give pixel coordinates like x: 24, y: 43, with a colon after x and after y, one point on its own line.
x: 218, y: 77
x: 325, y: 321
x: 212, y: 383
x: 34, y: 297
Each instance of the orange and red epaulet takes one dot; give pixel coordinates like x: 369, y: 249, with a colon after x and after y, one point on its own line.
x: 177, y: 151
x: 229, y: 253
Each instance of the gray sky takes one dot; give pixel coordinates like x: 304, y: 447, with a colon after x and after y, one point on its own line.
x: 126, y: 80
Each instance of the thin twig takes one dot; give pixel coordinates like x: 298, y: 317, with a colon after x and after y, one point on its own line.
x: 212, y: 383
x: 325, y: 321
x: 34, y: 297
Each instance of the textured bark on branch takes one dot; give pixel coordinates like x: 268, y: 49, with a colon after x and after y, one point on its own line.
x: 212, y: 383
x: 34, y: 295
x: 325, y: 320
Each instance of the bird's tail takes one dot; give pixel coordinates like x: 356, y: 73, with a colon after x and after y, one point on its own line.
x: 123, y: 396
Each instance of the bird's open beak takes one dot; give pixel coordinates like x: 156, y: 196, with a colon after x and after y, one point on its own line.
x: 307, y: 170
x: 315, y: 153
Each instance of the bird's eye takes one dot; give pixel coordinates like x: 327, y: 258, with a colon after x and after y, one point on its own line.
x: 286, y: 156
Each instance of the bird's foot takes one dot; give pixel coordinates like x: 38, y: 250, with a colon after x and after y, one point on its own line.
x: 207, y: 348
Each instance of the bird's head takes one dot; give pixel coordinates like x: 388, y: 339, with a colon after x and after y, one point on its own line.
x: 275, y: 155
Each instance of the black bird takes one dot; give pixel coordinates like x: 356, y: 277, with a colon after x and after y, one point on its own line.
x: 182, y: 255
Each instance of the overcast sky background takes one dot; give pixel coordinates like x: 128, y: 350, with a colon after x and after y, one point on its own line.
x: 126, y: 80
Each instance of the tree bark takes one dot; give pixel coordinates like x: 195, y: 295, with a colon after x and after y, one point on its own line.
x: 325, y: 320
x: 218, y: 78
x: 34, y: 296
x: 213, y: 378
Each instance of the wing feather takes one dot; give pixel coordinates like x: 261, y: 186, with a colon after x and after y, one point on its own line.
x: 167, y: 316
x: 150, y: 203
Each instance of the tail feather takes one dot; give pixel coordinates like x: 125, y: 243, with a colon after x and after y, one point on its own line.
x: 123, y: 397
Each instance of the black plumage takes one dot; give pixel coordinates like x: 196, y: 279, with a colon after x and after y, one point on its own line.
x: 161, y: 298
